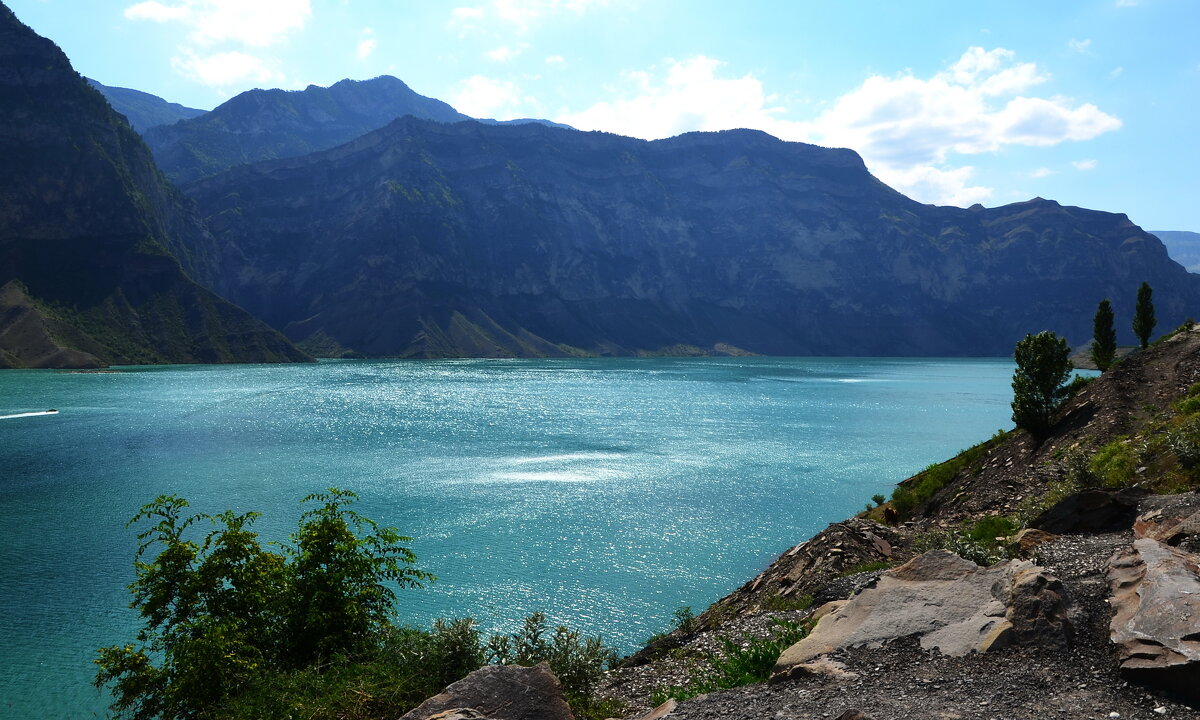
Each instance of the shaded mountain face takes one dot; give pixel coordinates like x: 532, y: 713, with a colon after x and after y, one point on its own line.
x: 428, y: 239
x: 143, y: 110
x: 266, y: 124
x: 1183, y: 247
x: 86, y: 220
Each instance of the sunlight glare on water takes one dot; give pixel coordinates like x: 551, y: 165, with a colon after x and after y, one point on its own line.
x: 604, y: 492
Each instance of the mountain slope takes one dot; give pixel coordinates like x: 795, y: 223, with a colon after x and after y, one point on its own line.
x: 86, y: 220
x: 265, y: 124
x: 1183, y: 246
x: 143, y: 110
x: 615, y: 245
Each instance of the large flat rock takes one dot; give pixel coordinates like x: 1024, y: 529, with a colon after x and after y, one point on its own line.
x: 1156, y: 621
x: 499, y: 692
x: 952, y: 604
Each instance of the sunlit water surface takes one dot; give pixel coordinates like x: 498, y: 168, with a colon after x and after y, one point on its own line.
x: 606, y: 493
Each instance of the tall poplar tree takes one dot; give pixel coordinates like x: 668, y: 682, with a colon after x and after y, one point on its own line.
x: 1143, y: 315
x: 1104, y: 336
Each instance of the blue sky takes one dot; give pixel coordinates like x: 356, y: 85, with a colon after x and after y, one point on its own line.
x: 1093, y: 103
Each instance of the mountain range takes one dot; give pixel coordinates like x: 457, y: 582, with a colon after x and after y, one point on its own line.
x: 143, y: 110
x: 434, y: 239
x: 87, y: 230
x: 1183, y: 246
x: 365, y: 219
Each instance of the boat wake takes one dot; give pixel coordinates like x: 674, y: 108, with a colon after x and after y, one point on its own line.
x: 29, y: 414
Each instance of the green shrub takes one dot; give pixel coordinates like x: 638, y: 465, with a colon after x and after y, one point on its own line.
x: 738, y: 663
x: 1189, y: 405
x: 960, y: 543
x: 1114, y: 464
x: 578, y: 662
x: 1184, y: 441
x: 233, y: 631
x: 990, y: 527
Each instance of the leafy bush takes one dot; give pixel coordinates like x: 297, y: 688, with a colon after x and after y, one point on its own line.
x: 738, y: 663
x: 233, y: 631
x: 991, y: 527
x: 1114, y: 464
x: 1184, y: 441
x: 981, y: 553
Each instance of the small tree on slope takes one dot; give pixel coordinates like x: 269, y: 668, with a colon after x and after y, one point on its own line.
x: 1104, y: 336
x: 1143, y: 315
x: 1039, y: 382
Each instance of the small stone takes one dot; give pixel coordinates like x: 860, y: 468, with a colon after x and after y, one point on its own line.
x: 1161, y: 710
x: 1114, y: 714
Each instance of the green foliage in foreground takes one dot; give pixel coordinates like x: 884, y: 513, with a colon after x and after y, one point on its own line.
x: 738, y: 663
x: 235, y: 631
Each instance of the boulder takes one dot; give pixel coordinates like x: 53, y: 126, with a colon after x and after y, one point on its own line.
x: 1156, y: 603
x: 1091, y: 511
x: 1171, y: 519
x: 1028, y: 540
x: 499, y: 692
x: 950, y: 603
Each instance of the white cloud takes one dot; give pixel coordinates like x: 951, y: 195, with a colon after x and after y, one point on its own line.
x: 942, y: 186
x: 1079, y: 46
x: 555, y: 60
x: 1042, y: 172
x: 690, y: 97
x: 156, y: 12
x: 484, y: 97
x: 513, y: 16
x: 222, y: 70
x: 1116, y: 72
x: 366, y: 47
x: 260, y: 23
x: 1084, y: 164
x: 908, y: 129
x: 505, y: 53
x: 1128, y: 3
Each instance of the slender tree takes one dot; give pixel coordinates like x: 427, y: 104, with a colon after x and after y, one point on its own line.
x: 1143, y: 315
x: 1039, y: 382
x: 1104, y: 336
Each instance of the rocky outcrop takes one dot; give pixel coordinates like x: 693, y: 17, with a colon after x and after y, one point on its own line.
x: 951, y: 604
x: 1156, y: 603
x: 1091, y: 511
x: 87, y: 230
x: 499, y: 692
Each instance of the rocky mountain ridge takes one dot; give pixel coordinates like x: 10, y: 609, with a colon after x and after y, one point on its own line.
x: 143, y: 110
x: 87, y: 230
x: 267, y: 124
x: 530, y: 240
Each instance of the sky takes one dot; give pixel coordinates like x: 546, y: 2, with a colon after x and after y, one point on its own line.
x: 1093, y: 103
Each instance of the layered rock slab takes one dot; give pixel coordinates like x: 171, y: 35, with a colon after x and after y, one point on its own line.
x: 951, y: 604
x: 1156, y: 621
x: 498, y: 692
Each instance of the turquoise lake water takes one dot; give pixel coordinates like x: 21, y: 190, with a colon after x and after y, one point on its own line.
x: 604, y: 492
